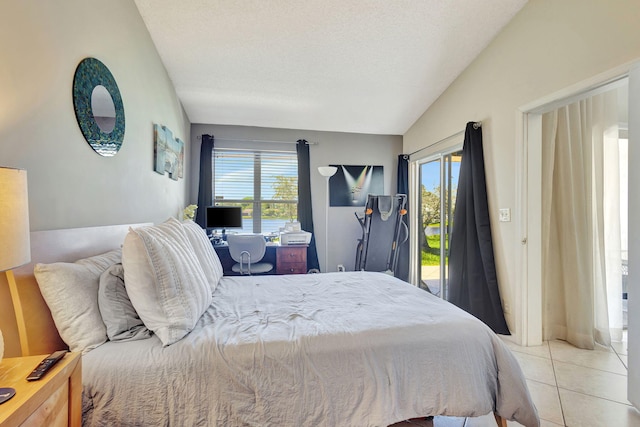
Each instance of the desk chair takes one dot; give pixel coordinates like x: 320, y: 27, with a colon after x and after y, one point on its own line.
x: 247, y: 250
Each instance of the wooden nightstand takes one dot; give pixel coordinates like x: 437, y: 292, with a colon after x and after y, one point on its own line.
x: 55, y: 400
x: 291, y: 259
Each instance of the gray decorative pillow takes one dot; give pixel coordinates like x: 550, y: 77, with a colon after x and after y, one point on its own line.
x: 71, y: 292
x: 118, y: 314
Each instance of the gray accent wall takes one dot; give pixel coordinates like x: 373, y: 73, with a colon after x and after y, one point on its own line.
x: 332, y: 148
x: 70, y: 185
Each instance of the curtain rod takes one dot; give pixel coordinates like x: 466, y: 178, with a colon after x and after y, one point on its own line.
x: 476, y: 125
x: 259, y: 140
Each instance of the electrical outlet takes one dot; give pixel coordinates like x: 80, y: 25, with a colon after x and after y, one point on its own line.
x: 505, y: 215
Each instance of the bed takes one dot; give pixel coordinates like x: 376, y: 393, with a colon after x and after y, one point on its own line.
x: 334, y: 349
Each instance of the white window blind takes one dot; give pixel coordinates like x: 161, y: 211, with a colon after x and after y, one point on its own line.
x: 264, y: 183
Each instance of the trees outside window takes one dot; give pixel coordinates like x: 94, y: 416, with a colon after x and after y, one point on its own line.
x: 263, y: 183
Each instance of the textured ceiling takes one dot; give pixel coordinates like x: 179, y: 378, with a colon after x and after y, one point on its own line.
x: 367, y: 66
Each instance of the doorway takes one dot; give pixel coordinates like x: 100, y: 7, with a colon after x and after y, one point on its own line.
x: 528, y: 301
x: 582, y: 226
x: 530, y: 296
x: 438, y: 184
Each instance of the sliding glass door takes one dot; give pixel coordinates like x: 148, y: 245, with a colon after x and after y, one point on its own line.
x: 438, y: 184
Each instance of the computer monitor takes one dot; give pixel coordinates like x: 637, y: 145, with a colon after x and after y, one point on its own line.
x: 223, y: 217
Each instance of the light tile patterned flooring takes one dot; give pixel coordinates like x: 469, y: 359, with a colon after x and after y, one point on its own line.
x: 570, y: 387
x: 578, y: 388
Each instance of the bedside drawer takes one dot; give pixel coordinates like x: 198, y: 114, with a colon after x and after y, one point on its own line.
x: 288, y: 254
x: 54, y: 412
x: 291, y: 268
x: 291, y: 260
x: 55, y: 400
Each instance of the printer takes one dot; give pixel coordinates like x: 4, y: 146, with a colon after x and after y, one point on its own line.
x: 292, y: 234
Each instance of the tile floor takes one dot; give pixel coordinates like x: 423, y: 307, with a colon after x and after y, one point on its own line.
x: 570, y: 387
x: 575, y: 387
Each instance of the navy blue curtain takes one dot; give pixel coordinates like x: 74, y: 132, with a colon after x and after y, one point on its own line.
x: 402, y: 268
x: 473, y: 283
x: 305, y: 213
x: 205, y: 188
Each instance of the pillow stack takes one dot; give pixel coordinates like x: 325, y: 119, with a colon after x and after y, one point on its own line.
x: 161, y: 281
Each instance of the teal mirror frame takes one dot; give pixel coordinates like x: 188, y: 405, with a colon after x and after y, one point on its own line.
x: 89, y: 74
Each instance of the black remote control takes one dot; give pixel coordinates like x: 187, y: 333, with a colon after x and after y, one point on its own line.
x: 45, y: 365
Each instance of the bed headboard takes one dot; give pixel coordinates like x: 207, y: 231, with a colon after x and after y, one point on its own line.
x: 66, y: 245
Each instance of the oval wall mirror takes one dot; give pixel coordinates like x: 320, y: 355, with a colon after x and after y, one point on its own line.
x: 98, y: 107
x: 103, y: 109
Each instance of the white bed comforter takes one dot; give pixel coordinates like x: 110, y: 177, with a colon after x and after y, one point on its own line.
x: 336, y: 349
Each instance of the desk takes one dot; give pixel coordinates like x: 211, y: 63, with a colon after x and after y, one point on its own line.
x: 291, y: 259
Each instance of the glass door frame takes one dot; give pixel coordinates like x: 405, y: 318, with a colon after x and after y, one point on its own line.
x: 434, y: 152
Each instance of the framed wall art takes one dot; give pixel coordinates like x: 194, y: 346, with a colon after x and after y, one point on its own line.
x: 351, y: 184
x: 168, y: 153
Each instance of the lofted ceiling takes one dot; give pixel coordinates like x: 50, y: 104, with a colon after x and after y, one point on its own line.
x: 366, y: 66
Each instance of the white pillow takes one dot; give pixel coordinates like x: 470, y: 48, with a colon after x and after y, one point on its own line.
x: 71, y: 292
x: 164, y: 279
x: 207, y: 256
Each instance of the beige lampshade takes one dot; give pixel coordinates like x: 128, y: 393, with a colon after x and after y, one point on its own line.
x: 14, y: 219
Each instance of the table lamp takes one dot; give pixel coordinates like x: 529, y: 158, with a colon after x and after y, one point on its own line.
x: 14, y: 238
x: 327, y: 172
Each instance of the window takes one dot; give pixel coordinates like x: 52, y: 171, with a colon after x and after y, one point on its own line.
x: 263, y: 183
x: 438, y: 176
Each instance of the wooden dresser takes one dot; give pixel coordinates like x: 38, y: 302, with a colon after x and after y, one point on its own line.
x: 53, y: 401
x: 291, y: 259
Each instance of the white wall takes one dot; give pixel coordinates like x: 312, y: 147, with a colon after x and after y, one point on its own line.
x: 332, y: 148
x: 41, y: 44
x: 549, y: 46
x: 633, y: 388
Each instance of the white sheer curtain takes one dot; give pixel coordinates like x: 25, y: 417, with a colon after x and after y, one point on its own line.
x: 581, y: 222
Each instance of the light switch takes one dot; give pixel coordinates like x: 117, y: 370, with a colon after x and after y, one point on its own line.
x: 505, y: 215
